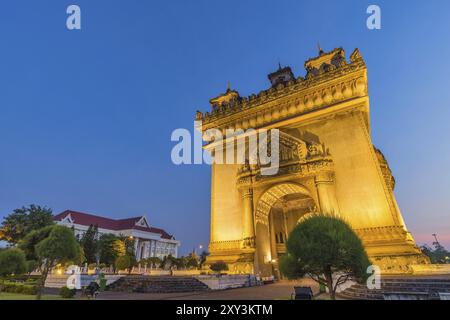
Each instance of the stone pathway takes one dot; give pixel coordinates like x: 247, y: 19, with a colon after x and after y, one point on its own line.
x: 279, y: 290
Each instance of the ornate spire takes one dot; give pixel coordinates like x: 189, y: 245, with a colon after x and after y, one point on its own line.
x: 321, y: 52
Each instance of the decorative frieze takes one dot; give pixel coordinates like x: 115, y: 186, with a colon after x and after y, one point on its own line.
x: 225, y: 245
x: 231, y: 245
x: 302, y: 158
x: 390, y: 233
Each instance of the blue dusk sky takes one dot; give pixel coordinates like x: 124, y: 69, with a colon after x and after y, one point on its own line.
x: 86, y: 116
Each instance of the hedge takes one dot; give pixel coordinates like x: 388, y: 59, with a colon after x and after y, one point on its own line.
x: 67, y: 293
x: 16, y: 287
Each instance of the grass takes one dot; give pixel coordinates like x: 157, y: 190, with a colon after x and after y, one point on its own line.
x: 16, y: 296
x: 284, y: 298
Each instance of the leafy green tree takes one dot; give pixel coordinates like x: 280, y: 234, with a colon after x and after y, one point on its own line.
x: 438, y: 255
x: 22, y: 221
x: 108, y: 249
x: 29, y: 242
x: 322, y: 246
x: 203, y: 256
x: 59, y: 247
x: 129, y: 245
x: 153, y: 262
x: 181, y: 262
x: 219, y: 267
x: 169, y: 261
x: 125, y: 262
x: 31, y: 266
x: 12, y: 261
x: 192, y: 261
x: 126, y: 247
x: 90, y: 244
x: 119, y: 246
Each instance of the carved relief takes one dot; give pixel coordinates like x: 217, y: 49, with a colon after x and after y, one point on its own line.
x: 297, y: 156
x: 385, y: 169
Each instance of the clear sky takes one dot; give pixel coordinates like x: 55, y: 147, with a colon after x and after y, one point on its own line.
x: 86, y: 116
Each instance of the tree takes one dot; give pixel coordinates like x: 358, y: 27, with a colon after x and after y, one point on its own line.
x: 169, y: 262
x: 119, y: 246
x: 154, y: 262
x: 125, y: 262
x: 22, y: 221
x: 31, y: 266
x: 108, y: 249
x: 219, y: 266
x: 12, y: 261
x: 322, y: 246
x: 127, y: 248
x: 29, y: 242
x: 89, y: 243
x: 192, y: 261
x: 203, y: 256
x: 59, y: 247
x: 438, y: 255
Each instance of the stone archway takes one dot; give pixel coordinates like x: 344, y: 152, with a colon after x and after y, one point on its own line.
x: 277, y: 212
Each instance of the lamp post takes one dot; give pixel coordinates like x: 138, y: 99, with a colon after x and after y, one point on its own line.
x: 436, y: 243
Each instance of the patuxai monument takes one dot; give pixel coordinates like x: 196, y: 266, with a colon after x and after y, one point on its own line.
x: 327, y: 164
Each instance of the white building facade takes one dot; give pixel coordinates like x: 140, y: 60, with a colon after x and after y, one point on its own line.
x: 149, y: 241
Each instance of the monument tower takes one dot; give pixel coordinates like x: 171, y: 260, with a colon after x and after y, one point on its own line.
x: 328, y: 164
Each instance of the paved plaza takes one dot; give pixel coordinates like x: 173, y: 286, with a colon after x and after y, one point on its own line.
x: 275, y: 291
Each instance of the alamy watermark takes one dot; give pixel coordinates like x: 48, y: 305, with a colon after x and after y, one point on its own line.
x: 73, y: 21
x: 252, y: 147
x: 374, y: 20
x: 374, y: 280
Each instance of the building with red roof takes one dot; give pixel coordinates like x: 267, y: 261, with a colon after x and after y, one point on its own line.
x: 149, y: 241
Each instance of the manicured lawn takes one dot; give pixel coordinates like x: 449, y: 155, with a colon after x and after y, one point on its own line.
x: 16, y: 296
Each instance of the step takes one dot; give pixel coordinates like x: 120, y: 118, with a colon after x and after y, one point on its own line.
x: 158, y: 284
x: 420, y: 288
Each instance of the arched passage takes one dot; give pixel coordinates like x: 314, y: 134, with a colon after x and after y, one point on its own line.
x: 277, y: 211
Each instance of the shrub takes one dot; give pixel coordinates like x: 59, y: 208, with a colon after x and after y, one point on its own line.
x: 20, y: 288
x: 219, y: 266
x: 12, y: 261
x: 29, y: 289
x: 67, y: 293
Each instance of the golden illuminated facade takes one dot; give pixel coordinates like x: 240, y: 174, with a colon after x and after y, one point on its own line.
x: 328, y: 164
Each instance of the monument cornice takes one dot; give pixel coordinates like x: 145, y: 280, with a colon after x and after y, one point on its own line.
x: 295, y: 98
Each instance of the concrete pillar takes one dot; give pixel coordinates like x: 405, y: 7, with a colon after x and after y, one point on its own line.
x: 147, y: 249
x: 326, y: 192
x: 248, y: 227
x: 137, y: 250
x: 273, y: 245
x: 285, y: 223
